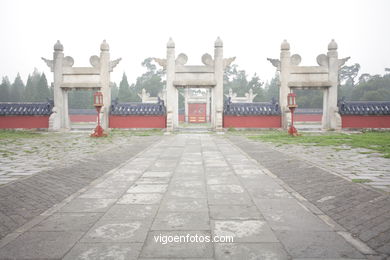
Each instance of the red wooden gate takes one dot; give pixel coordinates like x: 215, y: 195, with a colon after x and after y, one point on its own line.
x: 197, y: 113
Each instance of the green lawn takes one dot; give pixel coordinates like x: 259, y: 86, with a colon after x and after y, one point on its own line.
x: 376, y: 141
x: 16, y: 134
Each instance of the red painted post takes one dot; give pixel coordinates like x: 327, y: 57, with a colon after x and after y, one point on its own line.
x: 98, y: 103
x: 292, y: 105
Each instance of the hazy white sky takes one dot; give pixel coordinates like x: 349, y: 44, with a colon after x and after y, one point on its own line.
x: 135, y: 30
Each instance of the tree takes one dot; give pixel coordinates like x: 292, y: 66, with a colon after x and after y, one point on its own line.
x: 347, y: 82
x: 80, y: 99
x: 17, y: 90
x: 124, y: 94
x: 5, y: 88
x: 237, y: 80
x: 114, y: 91
x: 41, y: 91
x: 272, y: 88
x: 31, y: 86
x: 347, y: 74
x: 376, y: 88
x: 151, y: 80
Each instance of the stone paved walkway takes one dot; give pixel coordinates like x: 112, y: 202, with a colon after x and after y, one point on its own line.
x: 28, y: 196
x: 352, y: 163
x: 363, y: 211
x: 189, y: 185
x: 23, y: 157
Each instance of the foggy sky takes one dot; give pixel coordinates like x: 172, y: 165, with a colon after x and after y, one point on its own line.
x: 135, y: 30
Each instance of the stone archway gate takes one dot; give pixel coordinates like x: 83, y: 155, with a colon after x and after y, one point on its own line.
x: 324, y: 77
x: 67, y: 77
x: 209, y: 75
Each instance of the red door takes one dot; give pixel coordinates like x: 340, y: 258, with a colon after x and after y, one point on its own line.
x: 196, y: 113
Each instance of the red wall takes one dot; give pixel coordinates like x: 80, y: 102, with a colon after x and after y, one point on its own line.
x: 24, y: 122
x: 252, y: 121
x: 350, y: 121
x: 308, y: 117
x: 83, y: 118
x: 181, y: 118
x: 137, y: 122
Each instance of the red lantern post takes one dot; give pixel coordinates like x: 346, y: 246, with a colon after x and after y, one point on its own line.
x: 98, y: 103
x: 292, y: 106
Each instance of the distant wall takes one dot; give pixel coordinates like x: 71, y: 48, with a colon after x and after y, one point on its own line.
x: 137, y: 121
x: 308, y: 117
x: 26, y: 122
x: 255, y: 121
x: 25, y: 115
x: 83, y: 118
x: 365, y: 121
x: 365, y: 114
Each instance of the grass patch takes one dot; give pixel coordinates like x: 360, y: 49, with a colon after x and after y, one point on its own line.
x: 361, y: 180
x: 376, y: 141
x: 17, y: 134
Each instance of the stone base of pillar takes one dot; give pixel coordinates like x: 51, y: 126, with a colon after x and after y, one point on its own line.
x: 286, y: 118
x: 54, y: 121
x: 169, y: 121
x: 335, y: 119
x: 218, y: 121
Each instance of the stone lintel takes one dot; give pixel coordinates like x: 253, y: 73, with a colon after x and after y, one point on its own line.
x: 309, y: 70
x: 95, y: 86
x: 81, y: 71
x: 310, y: 85
x: 195, y: 83
x: 194, y: 69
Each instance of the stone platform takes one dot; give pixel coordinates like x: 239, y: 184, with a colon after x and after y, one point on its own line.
x: 190, y: 185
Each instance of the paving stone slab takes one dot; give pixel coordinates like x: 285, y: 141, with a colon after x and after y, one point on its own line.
x: 87, y: 205
x: 152, y: 180
x: 183, y: 205
x: 238, y: 212
x: 40, y: 245
x: 181, y: 221
x: 131, y: 211
x: 140, y: 198
x: 68, y: 222
x: 157, y: 174
x: 147, y: 188
x: 244, y: 230
x: 103, y: 193
x: 104, y: 251
x: 250, y: 251
x: 225, y: 188
x: 195, y: 193
x: 229, y: 199
x: 156, y: 249
x: 317, y: 244
x: 118, y: 230
x: 288, y: 214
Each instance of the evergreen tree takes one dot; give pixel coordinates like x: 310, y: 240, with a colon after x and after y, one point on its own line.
x: 17, y: 90
x: 5, y: 89
x: 42, y: 92
x: 272, y: 88
x: 114, y: 91
x: 80, y: 99
x: 124, y: 93
x: 31, y: 86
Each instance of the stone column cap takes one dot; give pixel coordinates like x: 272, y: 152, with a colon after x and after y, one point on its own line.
x: 285, y: 46
x: 58, y: 46
x: 170, y: 43
x: 218, y: 42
